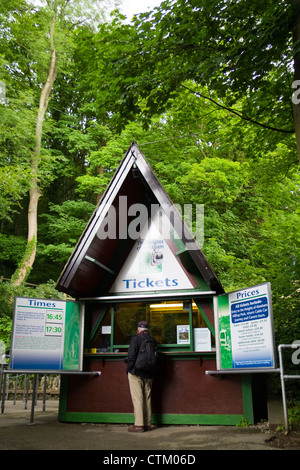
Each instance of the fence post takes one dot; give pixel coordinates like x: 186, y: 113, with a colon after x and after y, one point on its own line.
x: 34, y: 390
x: 283, y: 377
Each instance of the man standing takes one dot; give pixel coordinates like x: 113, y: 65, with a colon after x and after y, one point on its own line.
x: 140, y: 381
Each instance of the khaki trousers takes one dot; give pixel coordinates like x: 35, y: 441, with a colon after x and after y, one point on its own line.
x: 140, y: 390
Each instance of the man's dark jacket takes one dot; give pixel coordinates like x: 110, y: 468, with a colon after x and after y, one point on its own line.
x: 133, y: 350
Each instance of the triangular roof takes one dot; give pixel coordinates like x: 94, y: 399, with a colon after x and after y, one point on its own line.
x: 96, y: 262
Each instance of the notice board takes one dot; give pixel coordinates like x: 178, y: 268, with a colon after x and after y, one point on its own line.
x: 244, y: 329
x: 47, y: 334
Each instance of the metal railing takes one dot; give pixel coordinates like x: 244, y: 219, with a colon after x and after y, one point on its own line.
x: 6, y: 374
x: 20, y: 384
x: 280, y: 370
x: 283, y: 378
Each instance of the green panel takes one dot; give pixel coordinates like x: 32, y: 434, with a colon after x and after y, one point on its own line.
x: 72, y: 348
x: 63, y: 397
x: 224, y: 332
x: 247, y: 398
x: 167, y: 419
x: 204, y: 419
x: 206, y: 319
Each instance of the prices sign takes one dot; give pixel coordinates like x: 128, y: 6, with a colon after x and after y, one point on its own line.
x: 47, y: 334
x: 244, y: 329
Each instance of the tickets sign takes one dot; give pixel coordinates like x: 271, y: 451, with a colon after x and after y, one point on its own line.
x: 151, y: 266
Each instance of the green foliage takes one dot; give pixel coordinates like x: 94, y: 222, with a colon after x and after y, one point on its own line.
x: 234, y: 273
x: 219, y: 181
x: 164, y: 82
x: 65, y: 222
x: 294, y: 415
x: 5, y: 332
x: 16, y: 139
x: 11, y: 248
x: 59, y: 232
x: 243, y: 423
x: 241, y: 51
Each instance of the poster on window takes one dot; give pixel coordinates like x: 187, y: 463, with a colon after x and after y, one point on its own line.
x: 183, y: 334
x: 244, y: 329
x: 202, y: 339
x: 47, y: 334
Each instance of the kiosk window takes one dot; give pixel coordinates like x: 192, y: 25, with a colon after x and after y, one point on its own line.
x: 126, y: 318
x: 171, y: 324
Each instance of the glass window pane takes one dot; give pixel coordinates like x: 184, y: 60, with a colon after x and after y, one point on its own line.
x: 101, y: 340
x: 126, y: 318
x: 163, y: 319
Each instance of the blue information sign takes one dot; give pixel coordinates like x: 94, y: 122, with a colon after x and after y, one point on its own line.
x: 47, y: 334
x: 244, y: 329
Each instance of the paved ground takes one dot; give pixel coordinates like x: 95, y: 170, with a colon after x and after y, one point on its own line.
x: 46, y: 433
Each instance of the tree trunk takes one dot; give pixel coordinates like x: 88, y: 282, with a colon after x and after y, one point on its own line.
x: 296, y: 41
x: 26, y: 264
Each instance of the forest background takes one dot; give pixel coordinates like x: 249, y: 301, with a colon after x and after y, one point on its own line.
x: 208, y: 90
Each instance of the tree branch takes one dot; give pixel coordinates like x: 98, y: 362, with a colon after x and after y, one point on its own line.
x: 237, y: 113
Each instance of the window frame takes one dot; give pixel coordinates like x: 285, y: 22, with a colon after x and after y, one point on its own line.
x: 189, y: 347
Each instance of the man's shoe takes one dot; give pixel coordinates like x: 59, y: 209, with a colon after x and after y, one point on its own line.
x: 136, y: 429
x: 148, y: 428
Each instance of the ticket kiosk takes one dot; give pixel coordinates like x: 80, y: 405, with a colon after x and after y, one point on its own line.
x: 137, y: 260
